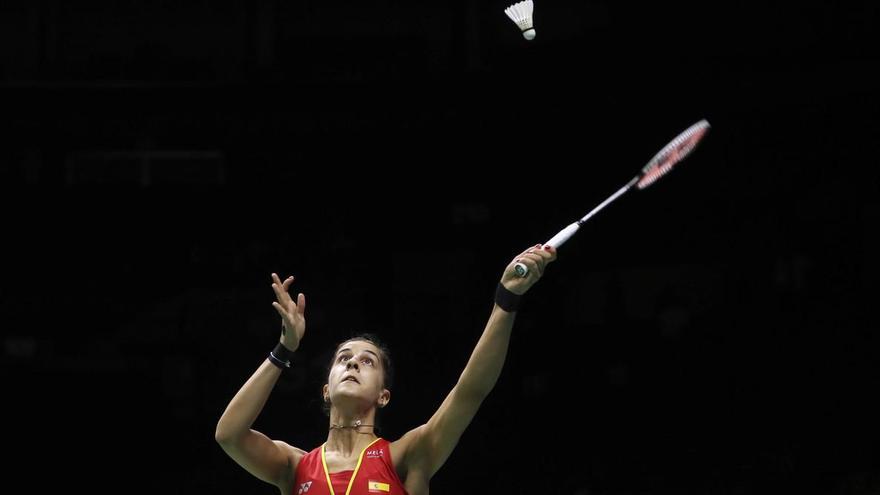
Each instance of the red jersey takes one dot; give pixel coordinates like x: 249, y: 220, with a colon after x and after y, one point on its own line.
x: 373, y: 475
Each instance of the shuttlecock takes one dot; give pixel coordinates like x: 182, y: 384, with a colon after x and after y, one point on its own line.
x: 521, y: 14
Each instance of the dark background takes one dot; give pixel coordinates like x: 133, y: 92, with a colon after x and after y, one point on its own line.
x: 713, y: 334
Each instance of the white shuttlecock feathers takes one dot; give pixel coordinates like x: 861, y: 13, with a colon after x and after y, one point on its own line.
x: 521, y: 14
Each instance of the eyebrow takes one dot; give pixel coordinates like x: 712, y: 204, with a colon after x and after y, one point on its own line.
x: 349, y: 350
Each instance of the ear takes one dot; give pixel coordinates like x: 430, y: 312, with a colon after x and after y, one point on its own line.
x: 325, y: 392
x: 384, y: 397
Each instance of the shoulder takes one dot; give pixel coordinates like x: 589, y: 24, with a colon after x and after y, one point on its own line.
x: 291, y: 450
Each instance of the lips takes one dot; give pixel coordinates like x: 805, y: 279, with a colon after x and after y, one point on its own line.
x: 350, y: 378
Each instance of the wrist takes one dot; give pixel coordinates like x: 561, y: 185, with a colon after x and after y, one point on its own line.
x: 288, y: 345
x: 505, y: 299
x: 281, y: 356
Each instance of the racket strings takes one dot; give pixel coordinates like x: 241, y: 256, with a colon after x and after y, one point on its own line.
x: 654, y: 174
x: 672, y: 153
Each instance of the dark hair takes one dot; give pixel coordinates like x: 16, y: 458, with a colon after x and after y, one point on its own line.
x: 384, y: 355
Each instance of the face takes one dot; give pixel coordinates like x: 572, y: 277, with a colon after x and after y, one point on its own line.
x: 357, y: 375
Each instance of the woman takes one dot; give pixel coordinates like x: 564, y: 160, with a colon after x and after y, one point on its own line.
x: 354, y: 460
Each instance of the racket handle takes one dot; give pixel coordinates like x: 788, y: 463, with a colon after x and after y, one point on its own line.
x: 555, y: 241
x: 565, y: 234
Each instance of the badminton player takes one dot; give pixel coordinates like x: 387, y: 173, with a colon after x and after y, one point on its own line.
x: 354, y: 460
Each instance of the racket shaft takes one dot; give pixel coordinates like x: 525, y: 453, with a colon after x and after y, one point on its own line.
x: 608, y: 201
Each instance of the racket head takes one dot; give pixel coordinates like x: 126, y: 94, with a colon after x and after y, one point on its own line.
x: 671, y: 154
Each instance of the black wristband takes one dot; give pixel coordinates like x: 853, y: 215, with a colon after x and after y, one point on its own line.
x: 280, y: 356
x: 506, y: 300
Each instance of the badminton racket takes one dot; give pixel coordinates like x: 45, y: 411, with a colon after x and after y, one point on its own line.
x: 671, y: 154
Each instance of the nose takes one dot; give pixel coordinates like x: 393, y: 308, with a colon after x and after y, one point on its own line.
x: 352, y: 363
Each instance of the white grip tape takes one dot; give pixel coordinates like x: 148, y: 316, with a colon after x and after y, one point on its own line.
x: 556, y: 241
x: 563, y: 235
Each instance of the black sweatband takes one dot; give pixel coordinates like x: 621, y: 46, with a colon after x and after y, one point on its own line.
x: 506, y: 300
x: 280, y: 356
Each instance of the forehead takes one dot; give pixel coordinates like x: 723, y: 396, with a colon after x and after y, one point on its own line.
x: 357, y: 346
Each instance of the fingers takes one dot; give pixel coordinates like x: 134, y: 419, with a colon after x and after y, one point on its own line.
x: 280, y: 310
x: 530, y: 263
x: 301, y: 303
x: 548, y: 249
x: 526, y: 255
x: 535, y: 260
x: 539, y: 262
x: 531, y: 249
x: 280, y: 295
x: 280, y: 290
x: 540, y: 255
x: 285, y: 305
x: 287, y: 282
x: 545, y: 251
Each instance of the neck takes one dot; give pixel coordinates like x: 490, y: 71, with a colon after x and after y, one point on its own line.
x: 349, y: 433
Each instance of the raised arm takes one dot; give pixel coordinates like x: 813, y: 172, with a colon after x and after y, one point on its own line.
x: 427, y: 447
x: 269, y: 460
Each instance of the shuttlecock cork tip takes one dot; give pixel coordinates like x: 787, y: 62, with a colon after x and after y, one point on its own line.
x: 529, y: 34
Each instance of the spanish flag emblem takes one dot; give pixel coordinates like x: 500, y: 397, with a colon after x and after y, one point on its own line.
x: 378, y: 487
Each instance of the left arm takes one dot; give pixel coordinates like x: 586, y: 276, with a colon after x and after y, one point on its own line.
x: 427, y: 447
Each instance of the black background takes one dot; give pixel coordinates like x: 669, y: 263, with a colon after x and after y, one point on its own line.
x: 712, y: 334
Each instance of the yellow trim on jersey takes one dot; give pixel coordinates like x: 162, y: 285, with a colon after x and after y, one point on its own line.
x: 326, y: 472
x: 353, y: 474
